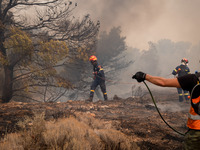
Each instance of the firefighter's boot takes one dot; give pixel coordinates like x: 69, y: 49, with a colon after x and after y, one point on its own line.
x: 91, y: 96
x: 105, y: 96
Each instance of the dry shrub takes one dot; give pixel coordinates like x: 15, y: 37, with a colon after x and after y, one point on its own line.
x: 66, y: 134
x: 32, y: 131
x: 29, y: 138
x: 71, y: 134
x: 116, y: 140
x: 92, y: 122
x: 11, y: 142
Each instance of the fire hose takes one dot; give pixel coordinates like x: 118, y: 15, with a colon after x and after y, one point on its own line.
x: 159, y: 111
x: 183, y: 134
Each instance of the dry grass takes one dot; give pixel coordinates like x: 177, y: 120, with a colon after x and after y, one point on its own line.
x: 82, y: 132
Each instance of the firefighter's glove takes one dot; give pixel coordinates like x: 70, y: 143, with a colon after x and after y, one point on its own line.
x: 95, y: 73
x: 139, y: 76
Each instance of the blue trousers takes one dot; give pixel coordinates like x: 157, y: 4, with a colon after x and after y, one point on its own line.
x: 102, y: 85
x: 182, y: 94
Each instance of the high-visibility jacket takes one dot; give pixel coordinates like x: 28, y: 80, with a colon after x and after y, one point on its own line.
x: 194, y: 118
x: 189, y: 82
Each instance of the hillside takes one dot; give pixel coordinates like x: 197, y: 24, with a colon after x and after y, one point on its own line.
x: 135, y: 117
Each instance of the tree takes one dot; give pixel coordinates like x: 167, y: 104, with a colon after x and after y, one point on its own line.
x: 30, y: 68
x: 111, y: 52
x: 51, y: 39
x: 110, y: 45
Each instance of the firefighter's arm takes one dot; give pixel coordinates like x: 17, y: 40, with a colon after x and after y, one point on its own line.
x: 176, y: 70
x: 189, y: 71
x: 100, y: 71
x: 164, y: 82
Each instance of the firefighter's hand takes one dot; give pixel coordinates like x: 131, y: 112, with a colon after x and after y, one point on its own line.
x: 95, y: 73
x: 94, y: 77
x: 139, y: 76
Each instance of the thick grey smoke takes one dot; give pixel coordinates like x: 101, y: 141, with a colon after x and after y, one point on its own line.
x: 142, y: 21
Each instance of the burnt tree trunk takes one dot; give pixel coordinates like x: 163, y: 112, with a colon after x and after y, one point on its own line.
x: 6, y: 68
x: 8, y: 84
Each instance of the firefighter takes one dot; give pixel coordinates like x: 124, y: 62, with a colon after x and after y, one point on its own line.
x: 99, y: 78
x: 189, y: 82
x: 181, y: 70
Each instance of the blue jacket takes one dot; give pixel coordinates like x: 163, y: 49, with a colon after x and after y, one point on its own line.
x: 181, y: 70
x: 98, y: 72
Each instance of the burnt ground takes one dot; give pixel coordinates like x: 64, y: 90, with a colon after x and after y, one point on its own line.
x: 136, y: 117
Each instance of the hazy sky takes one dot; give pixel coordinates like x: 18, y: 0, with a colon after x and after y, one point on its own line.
x: 146, y: 20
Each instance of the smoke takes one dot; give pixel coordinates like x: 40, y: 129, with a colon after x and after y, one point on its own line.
x: 142, y: 21
x: 159, y: 60
x: 171, y: 26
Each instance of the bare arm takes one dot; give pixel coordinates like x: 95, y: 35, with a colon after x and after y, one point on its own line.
x: 160, y: 81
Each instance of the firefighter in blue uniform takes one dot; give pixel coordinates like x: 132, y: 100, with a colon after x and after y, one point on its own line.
x: 181, y: 70
x: 99, y: 78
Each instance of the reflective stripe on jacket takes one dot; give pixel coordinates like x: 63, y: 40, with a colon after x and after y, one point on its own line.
x: 181, y: 70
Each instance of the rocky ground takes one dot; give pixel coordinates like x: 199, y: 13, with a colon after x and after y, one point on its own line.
x: 136, y: 117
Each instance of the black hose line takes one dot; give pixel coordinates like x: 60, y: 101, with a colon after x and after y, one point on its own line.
x: 160, y: 113
x: 157, y: 109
